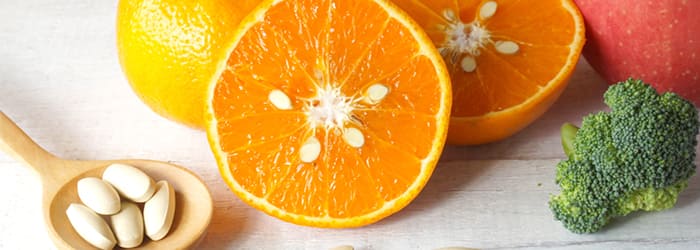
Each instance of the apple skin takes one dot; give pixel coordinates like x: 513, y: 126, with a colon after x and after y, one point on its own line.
x: 657, y: 41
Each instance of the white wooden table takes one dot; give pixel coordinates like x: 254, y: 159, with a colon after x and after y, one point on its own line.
x: 60, y: 80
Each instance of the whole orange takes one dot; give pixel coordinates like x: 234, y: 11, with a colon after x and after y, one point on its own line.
x: 168, y: 50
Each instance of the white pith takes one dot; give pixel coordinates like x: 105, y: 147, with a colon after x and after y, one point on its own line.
x: 329, y: 109
x: 464, y: 41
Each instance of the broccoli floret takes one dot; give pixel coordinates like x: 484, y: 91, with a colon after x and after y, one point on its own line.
x: 638, y: 156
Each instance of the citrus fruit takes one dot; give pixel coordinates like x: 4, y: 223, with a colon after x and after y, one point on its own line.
x: 509, y: 60
x: 328, y: 113
x: 169, y: 49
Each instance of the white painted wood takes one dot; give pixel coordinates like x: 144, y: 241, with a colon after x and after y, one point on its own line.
x: 60, y: 81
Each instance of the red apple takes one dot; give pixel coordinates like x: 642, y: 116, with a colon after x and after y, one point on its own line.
x: 657, y: 41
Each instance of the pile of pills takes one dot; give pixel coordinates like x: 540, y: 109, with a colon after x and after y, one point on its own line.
x: 117, y: 197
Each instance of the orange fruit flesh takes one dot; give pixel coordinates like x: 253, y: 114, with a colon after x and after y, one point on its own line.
x: 505, y: 92
x: 324, y: 59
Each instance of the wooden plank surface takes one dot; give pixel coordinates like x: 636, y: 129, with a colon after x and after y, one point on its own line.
x: 60, y: 80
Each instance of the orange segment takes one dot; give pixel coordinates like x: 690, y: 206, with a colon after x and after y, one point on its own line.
x: 360, y: 122
x: 394, y: 175
x: 498, y: 92
x: 387, y: 50
x: 346, y: 50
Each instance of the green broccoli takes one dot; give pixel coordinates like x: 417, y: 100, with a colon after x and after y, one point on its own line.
x: 638, y: 156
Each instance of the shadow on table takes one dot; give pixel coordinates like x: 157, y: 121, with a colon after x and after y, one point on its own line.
x: 446, y: 181
x: 691, y: 194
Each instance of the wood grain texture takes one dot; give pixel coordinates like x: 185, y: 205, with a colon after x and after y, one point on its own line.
x: 60, y: 81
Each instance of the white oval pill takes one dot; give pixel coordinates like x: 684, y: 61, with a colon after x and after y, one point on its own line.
x: 98, y: 196
x: 90, y: 226
x: 130, y: 182
x: 127, y: 225
x: 158, y: 212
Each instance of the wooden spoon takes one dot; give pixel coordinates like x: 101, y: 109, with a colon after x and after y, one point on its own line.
x: 59, y: 178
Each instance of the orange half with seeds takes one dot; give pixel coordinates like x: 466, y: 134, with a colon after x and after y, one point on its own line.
x: 509, y: 60
x: 329, y: 113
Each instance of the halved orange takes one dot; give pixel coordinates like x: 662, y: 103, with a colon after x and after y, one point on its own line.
x: 509, y: 60
x: 328, y: 113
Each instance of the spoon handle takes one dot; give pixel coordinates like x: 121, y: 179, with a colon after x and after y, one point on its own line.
x: 15, y: 143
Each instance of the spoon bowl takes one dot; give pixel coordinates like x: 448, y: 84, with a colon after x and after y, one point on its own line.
x: 59, y: 179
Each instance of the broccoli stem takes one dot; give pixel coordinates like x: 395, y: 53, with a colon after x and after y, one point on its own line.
x: 568, y: 134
